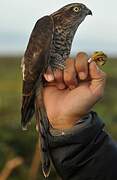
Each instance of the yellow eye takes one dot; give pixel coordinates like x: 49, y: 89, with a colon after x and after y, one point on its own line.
x: 76, y: 9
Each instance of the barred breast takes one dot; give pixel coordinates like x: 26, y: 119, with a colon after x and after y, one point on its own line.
x: 60, y: 48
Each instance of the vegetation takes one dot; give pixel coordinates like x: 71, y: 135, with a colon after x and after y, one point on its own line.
x: 14, y: 142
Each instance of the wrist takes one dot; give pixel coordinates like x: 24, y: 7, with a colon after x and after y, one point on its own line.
x: 66, y: 122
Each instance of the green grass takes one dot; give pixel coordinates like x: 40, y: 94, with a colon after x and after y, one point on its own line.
x: 15, y: 142
x: 107, y: 107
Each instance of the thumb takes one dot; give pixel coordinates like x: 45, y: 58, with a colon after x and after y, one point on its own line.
x: 94, y: 71
x: 98, y: 78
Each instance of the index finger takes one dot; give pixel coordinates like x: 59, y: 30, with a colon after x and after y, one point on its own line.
x: 81, y: 65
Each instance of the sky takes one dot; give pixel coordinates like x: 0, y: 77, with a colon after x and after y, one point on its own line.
x: 97, y: 32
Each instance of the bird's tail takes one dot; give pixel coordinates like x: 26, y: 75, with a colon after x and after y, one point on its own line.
x: 43, y: 127
x: 27, y: 110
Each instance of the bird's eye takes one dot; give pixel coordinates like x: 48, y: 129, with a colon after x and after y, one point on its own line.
x: 76, y: 9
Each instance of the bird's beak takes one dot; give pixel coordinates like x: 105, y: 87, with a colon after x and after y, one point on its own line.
x: 89, y: 12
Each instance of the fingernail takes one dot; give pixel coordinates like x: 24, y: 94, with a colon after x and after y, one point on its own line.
x: 49, y: 77
x: 82, y: 75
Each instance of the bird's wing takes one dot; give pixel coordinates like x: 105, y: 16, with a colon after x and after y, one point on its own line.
x: 34, y: 63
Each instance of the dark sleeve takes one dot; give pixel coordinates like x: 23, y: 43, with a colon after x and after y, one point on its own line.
x: 85, y: 152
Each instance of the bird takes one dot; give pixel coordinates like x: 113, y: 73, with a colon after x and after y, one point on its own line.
x: 49, y: 46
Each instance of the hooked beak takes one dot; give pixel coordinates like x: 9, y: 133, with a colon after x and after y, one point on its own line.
x: 89, y: 12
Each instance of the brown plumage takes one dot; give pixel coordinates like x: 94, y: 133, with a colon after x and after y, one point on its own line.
x: 49, y: 46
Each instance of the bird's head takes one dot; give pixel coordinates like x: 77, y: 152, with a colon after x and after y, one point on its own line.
x: 72, y: 14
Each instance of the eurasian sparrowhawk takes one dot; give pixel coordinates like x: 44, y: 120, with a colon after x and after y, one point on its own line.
x: 49, y: 46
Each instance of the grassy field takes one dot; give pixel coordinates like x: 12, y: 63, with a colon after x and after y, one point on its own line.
x: 14, y: 142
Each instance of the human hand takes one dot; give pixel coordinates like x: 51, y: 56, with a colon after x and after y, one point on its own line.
x: 71, y: 94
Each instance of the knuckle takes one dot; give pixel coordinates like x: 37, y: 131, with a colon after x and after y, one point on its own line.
x: 68, y: 79
x: 58, y: 75
x: 68, y: 62
x: 71, y: 82
x: 82, y: 55
x: 69, y: 74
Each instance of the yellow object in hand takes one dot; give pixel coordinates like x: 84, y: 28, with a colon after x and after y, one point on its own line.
x: 99, y: 57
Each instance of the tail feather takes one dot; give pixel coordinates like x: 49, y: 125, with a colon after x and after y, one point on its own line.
x: 43, y: 124
x: 27, y: 110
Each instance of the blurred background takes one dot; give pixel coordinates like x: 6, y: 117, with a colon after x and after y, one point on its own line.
x: 19, y: 157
